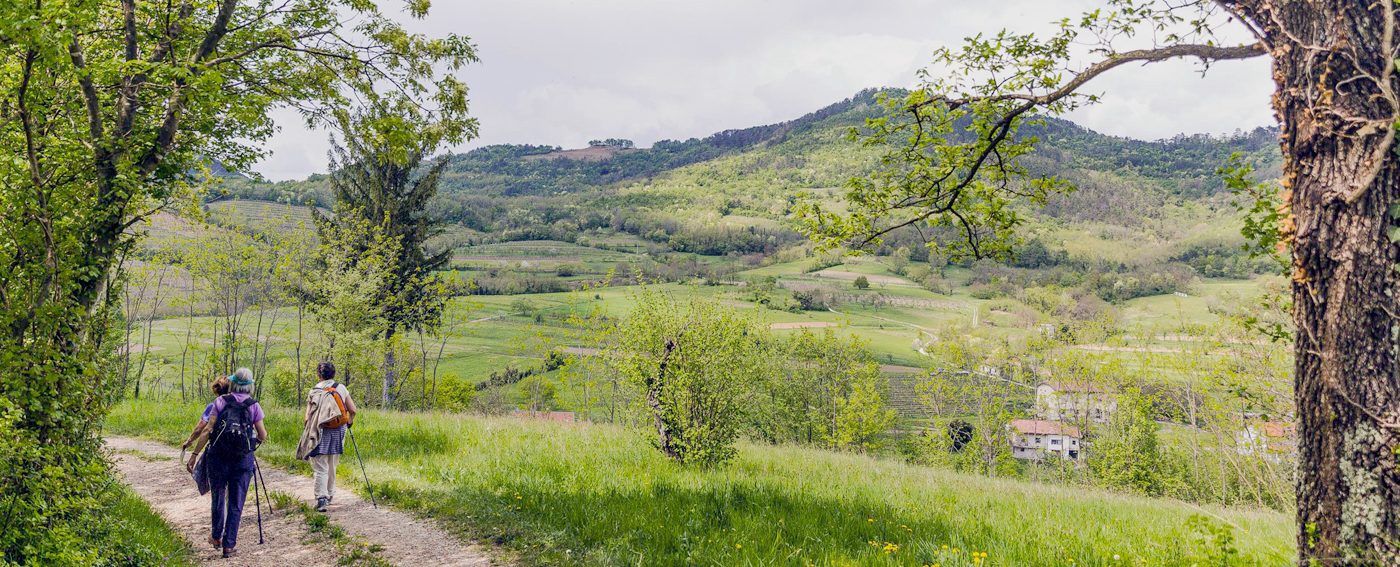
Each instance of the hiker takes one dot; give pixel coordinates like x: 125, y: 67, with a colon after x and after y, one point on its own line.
x: 199, y: 436
x: 235, y: 431
x: 329, y: 414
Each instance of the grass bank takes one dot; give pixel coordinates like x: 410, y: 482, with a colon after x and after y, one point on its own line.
x: 599, y: 495
x: 139, y: 535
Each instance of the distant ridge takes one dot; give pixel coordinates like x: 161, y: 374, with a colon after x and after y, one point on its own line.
x: 1184, y: 165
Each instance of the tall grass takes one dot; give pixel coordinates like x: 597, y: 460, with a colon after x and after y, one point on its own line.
x: 600, y: 495
x: 139, y: 536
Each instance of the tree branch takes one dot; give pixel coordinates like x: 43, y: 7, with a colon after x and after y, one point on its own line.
x: 165, y: 137
x: 1001, y: 128
x: 1206, y: 53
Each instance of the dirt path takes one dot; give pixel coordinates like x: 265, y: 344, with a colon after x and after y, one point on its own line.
x: 153, y: 471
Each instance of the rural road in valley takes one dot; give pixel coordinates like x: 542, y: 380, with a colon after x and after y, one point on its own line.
x: 154, y: 471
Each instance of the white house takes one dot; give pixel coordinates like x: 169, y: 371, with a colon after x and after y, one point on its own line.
x: 1059, y: 401
x: 1035, y: 440
x: 1272, y: 439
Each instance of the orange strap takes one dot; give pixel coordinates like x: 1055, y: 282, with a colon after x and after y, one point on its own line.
x: 344, y: 417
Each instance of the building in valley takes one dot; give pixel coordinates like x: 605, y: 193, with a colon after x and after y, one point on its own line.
x: 1037, y: 439
x: 1274, y: 440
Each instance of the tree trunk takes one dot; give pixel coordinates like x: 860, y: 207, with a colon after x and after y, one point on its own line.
x: 665, y: 439
x: 1336, y: 101
x: 300, y: 312
x: 390, y: 364
x: 185, y: 352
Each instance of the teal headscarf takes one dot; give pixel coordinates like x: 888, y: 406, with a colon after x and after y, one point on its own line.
x: 239, y: 380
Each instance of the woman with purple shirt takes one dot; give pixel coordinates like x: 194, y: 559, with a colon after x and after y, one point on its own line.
x: 198, y: 436
x: 230, y: 471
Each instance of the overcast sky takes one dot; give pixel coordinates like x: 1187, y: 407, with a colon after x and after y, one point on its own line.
x: 562, y: 72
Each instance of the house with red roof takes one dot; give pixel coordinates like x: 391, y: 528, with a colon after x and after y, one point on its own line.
x: 1038, y: 439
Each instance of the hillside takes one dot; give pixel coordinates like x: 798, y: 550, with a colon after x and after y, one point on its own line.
x: 1186, y: 163
x: 732, y: 192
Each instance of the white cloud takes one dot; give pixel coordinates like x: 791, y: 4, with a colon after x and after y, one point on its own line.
x: 563, y: 72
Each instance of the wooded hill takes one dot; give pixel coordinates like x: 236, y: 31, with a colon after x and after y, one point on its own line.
x: 1184, y: 164
x: 732, y: 192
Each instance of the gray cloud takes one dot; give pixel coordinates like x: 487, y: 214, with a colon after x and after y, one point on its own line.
x: 563, y: 72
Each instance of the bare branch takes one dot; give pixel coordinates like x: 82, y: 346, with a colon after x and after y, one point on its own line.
x: 1206, y: 53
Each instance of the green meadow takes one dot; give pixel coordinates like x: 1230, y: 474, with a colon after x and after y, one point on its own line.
x: 592, y: 494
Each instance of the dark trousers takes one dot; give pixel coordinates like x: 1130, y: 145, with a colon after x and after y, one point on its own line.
x: 228, y: 482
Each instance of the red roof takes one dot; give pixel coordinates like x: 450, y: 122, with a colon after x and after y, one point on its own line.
x: 1043, y: 427
x: 1279, y: 429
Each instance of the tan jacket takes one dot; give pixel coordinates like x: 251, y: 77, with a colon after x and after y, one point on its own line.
x: 323, y: 409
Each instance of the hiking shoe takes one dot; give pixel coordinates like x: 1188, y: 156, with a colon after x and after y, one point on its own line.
x: 230, y: 552
x: 217, y: 543
x: 321, y: 503
x: 330, y: 499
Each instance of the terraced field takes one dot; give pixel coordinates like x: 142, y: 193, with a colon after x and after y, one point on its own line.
x: 259, y: 214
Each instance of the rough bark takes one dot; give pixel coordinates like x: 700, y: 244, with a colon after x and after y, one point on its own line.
x: 665, y: 438
x: 1333, y: 62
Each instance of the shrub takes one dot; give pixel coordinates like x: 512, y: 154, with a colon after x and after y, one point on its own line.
x: 554, y: 360
x: 537, y: 394
x: 50, y: 497
x: 523, y: 307
x: 279, y: 384
x: 1128, y: 454
x: 812, y: 300
x: 862, y: 282
x: 454, y: 393
x: 506, y: 377
x: 693, y: 365
x: 492, y: 402
x: 568, y: 270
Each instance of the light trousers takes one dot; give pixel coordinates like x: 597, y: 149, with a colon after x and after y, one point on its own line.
x: 323, y: 473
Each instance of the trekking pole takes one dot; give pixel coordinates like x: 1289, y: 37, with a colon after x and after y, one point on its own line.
x: 363, y: 472
x: 257, y: 501
x: 262, y: 481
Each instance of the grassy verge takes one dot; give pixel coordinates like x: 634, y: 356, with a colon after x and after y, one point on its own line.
x: 599, y: 495
x: 142, y: 536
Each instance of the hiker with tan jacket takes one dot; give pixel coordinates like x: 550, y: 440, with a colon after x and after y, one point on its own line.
x: 329, y: 414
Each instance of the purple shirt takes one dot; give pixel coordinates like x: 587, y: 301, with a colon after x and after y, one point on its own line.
x: 208, y: 413
x: 255, y: 410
